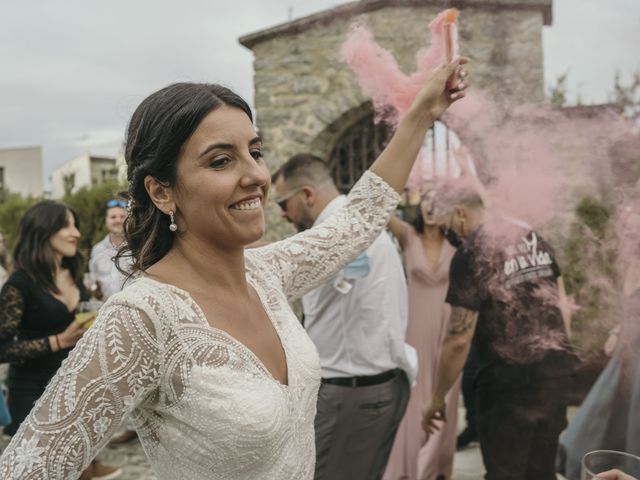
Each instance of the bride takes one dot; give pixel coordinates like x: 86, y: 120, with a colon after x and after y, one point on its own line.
x: 202, y: 349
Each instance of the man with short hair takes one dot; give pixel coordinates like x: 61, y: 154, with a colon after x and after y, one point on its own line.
x: 505, y: 288
x: 357, y: 320
x: 101, y: 264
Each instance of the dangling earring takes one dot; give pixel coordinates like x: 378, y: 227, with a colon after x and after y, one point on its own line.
x: 172, y: 226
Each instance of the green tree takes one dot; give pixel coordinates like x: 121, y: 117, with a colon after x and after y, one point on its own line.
x: 11, y: 211
x: 628, y: 95
x: 558, y: 92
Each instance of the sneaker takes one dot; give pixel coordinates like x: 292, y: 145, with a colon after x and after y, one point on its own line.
x: 466, y: 438
x: 105, y: 472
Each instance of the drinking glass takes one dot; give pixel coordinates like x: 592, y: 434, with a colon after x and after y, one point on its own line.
x: 86, y: 310
x: 600, y: 461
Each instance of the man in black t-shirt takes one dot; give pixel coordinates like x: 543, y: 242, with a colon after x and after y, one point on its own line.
x: 505, y: 291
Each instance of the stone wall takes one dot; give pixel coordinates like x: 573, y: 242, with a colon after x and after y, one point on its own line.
x: 306, y: 97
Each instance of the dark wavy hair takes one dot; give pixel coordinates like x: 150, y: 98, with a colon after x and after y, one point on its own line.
x: 33, y: 253
x: 157, y: 132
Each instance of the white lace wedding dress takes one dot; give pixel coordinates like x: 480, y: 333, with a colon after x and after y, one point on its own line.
x: 204, y: 406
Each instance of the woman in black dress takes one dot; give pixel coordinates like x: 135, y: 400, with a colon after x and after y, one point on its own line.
x: 38, y: 305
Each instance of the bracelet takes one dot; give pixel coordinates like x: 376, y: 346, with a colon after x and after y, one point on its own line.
x: 57, y: 342
x: 437, y: 404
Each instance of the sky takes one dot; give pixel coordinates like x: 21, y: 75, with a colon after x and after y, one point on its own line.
x: 72, y: 72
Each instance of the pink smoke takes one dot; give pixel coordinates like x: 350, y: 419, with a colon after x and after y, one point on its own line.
x: 536, y: 161
x: 391, y: 91
x: 378, y: 73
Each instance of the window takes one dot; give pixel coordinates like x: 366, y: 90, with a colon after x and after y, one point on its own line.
x: 356, y: 150
x: 361, y: 144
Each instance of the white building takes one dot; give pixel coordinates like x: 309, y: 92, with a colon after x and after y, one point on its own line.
x: 83, y: 171
x: 21, y: 171
x: 121, y: 165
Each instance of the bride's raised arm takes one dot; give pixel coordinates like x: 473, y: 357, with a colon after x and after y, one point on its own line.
x: 308, y: 259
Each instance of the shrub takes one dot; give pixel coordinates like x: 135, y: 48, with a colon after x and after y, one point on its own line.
x: 590, y: 274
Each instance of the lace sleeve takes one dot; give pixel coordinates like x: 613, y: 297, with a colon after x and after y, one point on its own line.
x: 11, y: 312
x: 114, y: 368
x: 310, y: 258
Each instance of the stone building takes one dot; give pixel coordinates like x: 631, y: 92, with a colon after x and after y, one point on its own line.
x: 307, y: 99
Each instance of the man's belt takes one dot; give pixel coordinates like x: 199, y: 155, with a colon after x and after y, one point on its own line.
x: 364, y: 380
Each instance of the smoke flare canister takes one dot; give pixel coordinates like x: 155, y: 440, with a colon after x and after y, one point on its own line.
x: 451, y: 41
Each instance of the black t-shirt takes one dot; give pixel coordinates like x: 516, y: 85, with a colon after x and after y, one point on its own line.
x: 511, y: 281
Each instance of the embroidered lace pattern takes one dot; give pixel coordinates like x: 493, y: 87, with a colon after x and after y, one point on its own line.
x: 204, y: 405
x: 12, y: 349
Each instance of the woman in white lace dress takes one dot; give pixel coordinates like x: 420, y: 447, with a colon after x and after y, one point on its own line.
x: 203, y: 350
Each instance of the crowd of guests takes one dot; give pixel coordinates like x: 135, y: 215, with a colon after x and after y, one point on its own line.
x: 197, y: 351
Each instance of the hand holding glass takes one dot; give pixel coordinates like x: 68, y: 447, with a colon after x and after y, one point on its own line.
x: 610, y: 465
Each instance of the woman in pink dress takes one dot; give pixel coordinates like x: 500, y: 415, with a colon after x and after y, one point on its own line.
x: 427, y: 255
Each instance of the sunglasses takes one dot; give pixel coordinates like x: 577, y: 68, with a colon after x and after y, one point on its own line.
x: 282, y: 201
x: 116, y: 203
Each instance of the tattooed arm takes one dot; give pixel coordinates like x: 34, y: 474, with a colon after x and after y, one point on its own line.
x: 455, y: 348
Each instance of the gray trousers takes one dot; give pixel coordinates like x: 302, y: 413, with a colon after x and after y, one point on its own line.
x: 356, y: 427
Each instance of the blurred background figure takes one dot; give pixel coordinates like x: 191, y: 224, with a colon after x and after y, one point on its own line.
x: 102, y: 268
x: 105, y: 277
x: 5, y: 418
x: 358, y: 322
x: 38, y: 305
x: 525, y: 359
x: 4, y: 264
x: 609, y: 417
x: 427, y: 255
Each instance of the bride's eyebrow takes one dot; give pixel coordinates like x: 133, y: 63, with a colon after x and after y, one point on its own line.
x: 214, y: 146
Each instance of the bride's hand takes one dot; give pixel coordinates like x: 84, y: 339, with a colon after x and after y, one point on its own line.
x: 435, y: 96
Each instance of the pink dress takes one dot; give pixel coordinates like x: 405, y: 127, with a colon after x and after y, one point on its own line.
x: 411, y: 458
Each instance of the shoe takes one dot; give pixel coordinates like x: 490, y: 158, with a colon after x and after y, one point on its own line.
x: 466, y: 438
x: 105, y: 472
x: 125, y: 437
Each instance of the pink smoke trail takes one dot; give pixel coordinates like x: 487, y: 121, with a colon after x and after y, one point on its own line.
x: 391, y: 91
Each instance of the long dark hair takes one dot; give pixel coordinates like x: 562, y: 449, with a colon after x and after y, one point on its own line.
x: 33, y: 253
x: 158, y: 129
x: 418, y: 220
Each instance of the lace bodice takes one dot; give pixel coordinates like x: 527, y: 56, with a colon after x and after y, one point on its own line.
x: 204, y: 405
